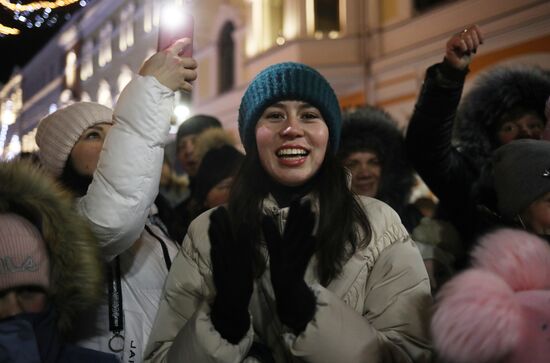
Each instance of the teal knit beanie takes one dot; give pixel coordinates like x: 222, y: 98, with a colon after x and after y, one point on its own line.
x: 292, y: 82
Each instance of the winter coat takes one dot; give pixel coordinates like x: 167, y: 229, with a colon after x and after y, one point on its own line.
x: 375, y: 311
x: 118, y: 206
x: 451, y: 171
x: 76, y: 278
x: 449, y: 174
x: 27, y: 338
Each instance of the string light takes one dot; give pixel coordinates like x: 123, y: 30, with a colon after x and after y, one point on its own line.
x: 8, y: 31
x: 37, y: 5
x: 36, y: 13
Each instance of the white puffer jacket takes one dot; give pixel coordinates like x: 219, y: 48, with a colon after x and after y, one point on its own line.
x: 377, y: 310
x: 118, y: 206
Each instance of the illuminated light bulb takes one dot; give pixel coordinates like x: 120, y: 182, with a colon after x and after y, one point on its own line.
x: 181, y: 112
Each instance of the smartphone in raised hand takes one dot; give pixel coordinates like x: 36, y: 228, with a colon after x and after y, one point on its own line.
x: 175, y: 24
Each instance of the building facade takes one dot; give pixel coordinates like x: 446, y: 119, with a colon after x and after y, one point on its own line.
x: 372, y: 51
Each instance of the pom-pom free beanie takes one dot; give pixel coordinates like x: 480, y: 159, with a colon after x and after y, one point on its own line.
x: 23, y: 256
x: 521, y: 174
x: 58, y: 132
x: 293, y: 82
x: 216, y: 165
x: 195, y: 125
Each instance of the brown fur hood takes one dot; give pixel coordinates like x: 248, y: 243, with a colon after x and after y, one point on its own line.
x: 76, y: 270
x: 212, y: 138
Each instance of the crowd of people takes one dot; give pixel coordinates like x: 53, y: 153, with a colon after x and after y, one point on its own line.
x: 307, y: 246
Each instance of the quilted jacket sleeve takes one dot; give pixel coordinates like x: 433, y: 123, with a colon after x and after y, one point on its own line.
x: 126, y: 180
x: 183, y: 331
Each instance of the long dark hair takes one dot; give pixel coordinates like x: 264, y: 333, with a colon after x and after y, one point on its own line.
x: 341, y: 215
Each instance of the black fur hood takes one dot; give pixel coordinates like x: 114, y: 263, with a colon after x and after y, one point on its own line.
x: 76, y: 280
x: 500, y: 93
x: 372, y: 129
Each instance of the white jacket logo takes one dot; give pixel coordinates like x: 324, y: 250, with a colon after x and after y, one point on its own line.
x: 7, y: 265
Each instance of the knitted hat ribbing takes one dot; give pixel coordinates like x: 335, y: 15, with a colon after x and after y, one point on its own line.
x: 58, y: 132
x: 23, y: 255
x: 293, y: 82
x: 521, y: 171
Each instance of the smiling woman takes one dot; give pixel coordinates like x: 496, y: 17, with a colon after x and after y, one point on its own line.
x: 292, y: 139
x: 295, y: 252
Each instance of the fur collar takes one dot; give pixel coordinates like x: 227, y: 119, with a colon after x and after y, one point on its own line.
x: 76, y: 269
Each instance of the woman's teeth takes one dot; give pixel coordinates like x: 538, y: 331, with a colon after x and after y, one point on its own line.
x: 291, y: 153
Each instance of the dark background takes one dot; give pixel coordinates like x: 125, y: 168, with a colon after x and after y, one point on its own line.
x: 17, y: 50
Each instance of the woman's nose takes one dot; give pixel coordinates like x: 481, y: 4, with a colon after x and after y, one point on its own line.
x: 292, y: 128
x: 364, y: 170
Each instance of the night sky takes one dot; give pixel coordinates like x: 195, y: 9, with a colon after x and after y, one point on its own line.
x: 17, y: 50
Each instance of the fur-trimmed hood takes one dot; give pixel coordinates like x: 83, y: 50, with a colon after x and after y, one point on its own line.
x: 212, y: 138
x: 372, y: 129
x: 76, y: 280
x: 500, y: 93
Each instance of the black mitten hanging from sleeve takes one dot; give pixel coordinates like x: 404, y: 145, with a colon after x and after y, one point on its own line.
x: 231, y: 258
x: 289, y: 256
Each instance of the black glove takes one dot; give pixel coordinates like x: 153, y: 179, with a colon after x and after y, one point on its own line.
x: 289, y: 256
x: 231, y: 257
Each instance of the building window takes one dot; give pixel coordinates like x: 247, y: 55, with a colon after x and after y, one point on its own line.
x: 66, y: 98
x: 28, y: 143
x: 226, y: 60
x: 126, y: 34
x: 70, y: 68
x: 124, y: 78
x: 421, y: 5
x: 85, y: 97
x: 266, y: 19
x: 105, y: 51
x: 327, y: 16
x: 148, y: 16
x: 156, y: 13
x: 87, y: 65
x: 104, y: 94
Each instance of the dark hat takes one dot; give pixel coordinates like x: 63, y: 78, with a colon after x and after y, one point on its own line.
x: 216, y: 165
x: 197, y: 124
x: 521, y: 172
x: 293, y: 82
x: 371, y: 129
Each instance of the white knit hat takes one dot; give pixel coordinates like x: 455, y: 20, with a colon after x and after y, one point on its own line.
x: 58, y: 132
x: 23, y: 255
